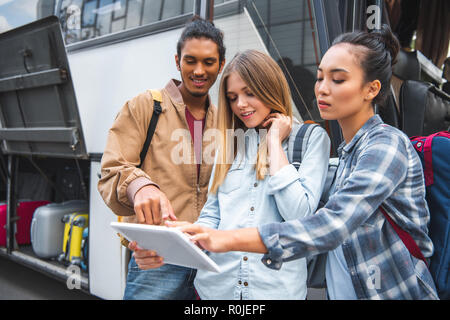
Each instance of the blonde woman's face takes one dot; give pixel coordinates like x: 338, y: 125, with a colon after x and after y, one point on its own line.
x: 244, y: 104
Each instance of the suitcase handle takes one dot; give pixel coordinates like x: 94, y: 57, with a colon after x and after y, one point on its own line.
x: 33, y: 231
x: 64, y: 256
x: 80, y: 222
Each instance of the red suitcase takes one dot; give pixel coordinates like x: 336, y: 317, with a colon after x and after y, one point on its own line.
x: 25, y: 212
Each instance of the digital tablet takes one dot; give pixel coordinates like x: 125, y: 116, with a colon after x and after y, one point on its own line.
x: 170, y: 243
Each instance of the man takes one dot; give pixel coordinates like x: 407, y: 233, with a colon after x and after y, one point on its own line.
x: 163, y: 187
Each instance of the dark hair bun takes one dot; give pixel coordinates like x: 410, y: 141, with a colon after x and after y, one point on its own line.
x: 390, y: 42
x: 380, y: 53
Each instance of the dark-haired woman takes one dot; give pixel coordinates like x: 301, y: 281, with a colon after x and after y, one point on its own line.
x: 378, y: 170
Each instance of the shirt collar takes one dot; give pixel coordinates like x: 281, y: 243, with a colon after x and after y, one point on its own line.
x: 174, y: 94
x: 371, y: 123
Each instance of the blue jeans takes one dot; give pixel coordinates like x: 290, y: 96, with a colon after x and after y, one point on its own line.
x: 170, y: 282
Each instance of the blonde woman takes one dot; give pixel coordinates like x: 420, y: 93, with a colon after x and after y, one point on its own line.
x: 252, y: 181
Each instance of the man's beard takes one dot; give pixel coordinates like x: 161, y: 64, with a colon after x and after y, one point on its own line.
x: 197, y: 94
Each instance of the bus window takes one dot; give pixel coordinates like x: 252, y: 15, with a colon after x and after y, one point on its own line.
x: 288, y: 31
x: 88, y: 19
x: 14, y: 13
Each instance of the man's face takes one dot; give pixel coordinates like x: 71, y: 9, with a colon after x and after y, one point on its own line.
x: 199, y: 66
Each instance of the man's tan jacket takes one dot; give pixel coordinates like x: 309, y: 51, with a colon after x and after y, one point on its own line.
x: 169, y: 163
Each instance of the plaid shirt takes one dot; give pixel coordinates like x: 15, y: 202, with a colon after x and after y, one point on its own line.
x: 378, y: 167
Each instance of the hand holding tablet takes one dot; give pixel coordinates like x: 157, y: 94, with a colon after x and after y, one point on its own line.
x: 170, y: 243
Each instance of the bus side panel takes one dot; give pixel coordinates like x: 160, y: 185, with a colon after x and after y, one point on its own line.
x: 107, y: 264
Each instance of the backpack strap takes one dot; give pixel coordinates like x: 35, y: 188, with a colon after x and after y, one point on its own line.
x: 428, y: 156
x: 424, y: 144
x: 300, y: 143
x: 406, y: 238
x: 157, y: 99
x: 69, y: 236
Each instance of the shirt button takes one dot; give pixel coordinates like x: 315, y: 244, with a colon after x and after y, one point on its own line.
x: 246, y: 283
x: 245, y: 258
x: 252, y: 209
x: 255, y: 185
x: 239, y: 282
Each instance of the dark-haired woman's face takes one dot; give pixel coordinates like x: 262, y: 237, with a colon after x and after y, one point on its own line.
x: 340, y: 89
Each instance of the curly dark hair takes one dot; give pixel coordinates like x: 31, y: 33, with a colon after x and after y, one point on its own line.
x: 201, y: 28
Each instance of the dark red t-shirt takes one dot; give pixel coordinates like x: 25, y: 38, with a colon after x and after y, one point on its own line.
x: 196, y: 128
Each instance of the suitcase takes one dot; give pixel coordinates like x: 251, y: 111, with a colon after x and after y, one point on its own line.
x: 47, y: 227
x: 25, y: 211
x: 75, y: 224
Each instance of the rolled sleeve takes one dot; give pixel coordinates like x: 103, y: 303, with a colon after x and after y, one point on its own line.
x: 273, y: 259
x: 283, y: 178
x: 136, y: 185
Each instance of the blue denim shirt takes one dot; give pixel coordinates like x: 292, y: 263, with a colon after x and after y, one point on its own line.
x: 338, y: 279
x: 377, y: 167
x: 243, y: 201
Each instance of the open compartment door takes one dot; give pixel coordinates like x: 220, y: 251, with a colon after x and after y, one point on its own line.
x: 38, y: 108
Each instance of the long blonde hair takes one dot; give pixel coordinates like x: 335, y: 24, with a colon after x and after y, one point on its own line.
x: 266, y: 81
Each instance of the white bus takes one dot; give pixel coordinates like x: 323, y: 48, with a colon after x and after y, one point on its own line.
x: 68, y: 66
